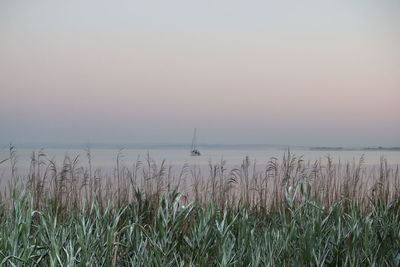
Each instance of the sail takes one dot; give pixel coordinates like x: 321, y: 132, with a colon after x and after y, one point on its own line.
x: 194, y: 145
x: 193, y: 150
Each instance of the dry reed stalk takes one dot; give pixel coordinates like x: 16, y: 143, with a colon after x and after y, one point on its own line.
x: 72, y: 186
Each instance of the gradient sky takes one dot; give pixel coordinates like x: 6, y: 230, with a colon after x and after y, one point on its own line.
x: 274, y: 72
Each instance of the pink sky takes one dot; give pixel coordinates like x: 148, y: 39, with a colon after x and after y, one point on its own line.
x: 280, y: 73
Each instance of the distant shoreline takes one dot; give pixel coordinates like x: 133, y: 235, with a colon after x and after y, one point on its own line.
x: 355, y: 149
x: 156, y: 146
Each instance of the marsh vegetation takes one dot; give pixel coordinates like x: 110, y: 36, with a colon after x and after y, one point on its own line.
x: 291, y: 213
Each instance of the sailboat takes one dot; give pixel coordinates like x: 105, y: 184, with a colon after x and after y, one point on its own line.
x: 193, y: 150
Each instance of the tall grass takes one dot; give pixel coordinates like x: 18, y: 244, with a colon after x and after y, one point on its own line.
x: 292, y: 213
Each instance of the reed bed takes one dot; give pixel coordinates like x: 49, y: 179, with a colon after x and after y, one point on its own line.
x: 291, y: 213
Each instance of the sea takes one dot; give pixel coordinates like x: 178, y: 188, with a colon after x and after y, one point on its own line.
x: 105, y: 157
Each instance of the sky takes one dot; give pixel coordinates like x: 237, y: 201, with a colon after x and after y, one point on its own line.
x: 318, y: 73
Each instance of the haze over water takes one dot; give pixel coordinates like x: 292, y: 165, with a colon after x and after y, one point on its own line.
x: 178, y: 157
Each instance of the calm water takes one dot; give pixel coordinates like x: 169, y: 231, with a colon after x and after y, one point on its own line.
x: 106, y: 158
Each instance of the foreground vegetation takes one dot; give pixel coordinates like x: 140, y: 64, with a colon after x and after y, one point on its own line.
x: 169, y: 234
x: 69, y: 218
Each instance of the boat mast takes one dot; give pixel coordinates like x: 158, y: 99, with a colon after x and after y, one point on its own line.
x: 194, y: 140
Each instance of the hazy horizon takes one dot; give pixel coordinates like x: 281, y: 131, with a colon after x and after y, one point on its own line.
x: 186, y: 146
x: 270, y: 72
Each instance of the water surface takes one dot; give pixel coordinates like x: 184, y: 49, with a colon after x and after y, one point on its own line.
x: 105, y: 159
